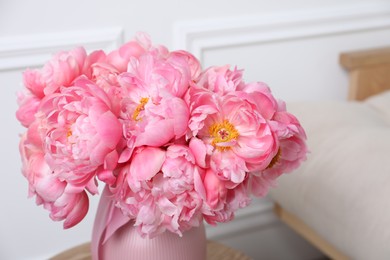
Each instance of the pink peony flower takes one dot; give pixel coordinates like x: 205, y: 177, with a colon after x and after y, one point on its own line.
x: 184, y: 61
x: 221, y: 202
x: 35, y: 168
x: 28, y: 106
x: 237, y: 131
x: 50, y: 191
x: 155, y: 123
x: 71, y: 207
x: 162, y: 194
x: 216, y: 191
x: 221, y: 80
x: 285, y: 124
x: 81, y: 134
x: 152, y: 111
x: 121, y: 57
x: 259, y: 183
x: 292, y: 149
x: 259, y: 94
x: 61, y: 70
x: 171, y: 74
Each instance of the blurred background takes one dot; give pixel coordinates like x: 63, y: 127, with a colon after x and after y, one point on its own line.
x: 293, y: 45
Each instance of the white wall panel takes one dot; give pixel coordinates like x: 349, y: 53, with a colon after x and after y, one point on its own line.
x: 199, y: 36
x: 295, y: 52
x: 23, y: 51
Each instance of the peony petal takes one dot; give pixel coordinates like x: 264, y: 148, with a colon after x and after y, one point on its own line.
x: 166, y: 206
x: 157, y: 133
x: 259, y: 185
x: 215, y: 189
x: 198, y: 148
x: 198, y: 185
x: 111, y: 160
x: 146, y: 163
x: 109, y: 129
x: 78, y: 211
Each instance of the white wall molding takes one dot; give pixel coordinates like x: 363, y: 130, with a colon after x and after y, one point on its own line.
x: 22, y: 51
x: 199, y: 36
x: 257, y: 216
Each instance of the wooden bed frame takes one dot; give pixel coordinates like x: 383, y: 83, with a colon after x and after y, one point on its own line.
x: 369, y: 74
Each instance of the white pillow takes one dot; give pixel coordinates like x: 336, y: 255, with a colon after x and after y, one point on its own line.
x: 342, y: 191
x: 381, y: 103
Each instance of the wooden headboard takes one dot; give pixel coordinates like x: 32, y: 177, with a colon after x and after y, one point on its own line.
x: 369, y: 72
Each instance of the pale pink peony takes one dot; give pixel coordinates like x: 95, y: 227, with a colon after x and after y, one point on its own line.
x: 171, y: 74
x: 162, y: 194
x: 221, y: 80
x: 121, y: 57
x: 81, y: 135
x: 187, y: 61
x: 61, y: 70
x: 221, y: 203
x: 35, y: 168
x: 50, y: 191
x: 28, y: 106
x: 105, y: 77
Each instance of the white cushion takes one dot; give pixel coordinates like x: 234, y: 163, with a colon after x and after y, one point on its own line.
x: 381, y: 103
x: 342, y: 191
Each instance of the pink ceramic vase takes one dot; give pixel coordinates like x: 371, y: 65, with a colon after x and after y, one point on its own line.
x: 120, y: 240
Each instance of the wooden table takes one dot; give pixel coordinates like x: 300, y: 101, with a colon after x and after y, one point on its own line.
x: 215, y: 251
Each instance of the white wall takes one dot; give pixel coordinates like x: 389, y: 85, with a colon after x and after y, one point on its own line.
x: 291, y: 44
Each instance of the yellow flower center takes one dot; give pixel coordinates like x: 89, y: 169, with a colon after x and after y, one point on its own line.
x: 222, y: 133
x: 275, y: 159
x: 140, y: 108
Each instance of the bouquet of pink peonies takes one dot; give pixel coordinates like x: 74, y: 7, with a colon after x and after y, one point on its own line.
x: 173, y: 143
